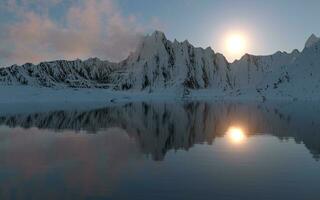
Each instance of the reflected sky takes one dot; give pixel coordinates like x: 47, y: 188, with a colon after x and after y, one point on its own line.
x: 161, y: 151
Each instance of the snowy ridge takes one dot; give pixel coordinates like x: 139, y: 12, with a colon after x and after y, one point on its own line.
x: 82, y: 74
x: 159, y: 64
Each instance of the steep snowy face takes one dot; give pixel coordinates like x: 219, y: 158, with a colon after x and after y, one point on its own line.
x: 312, y: 40
x: 304, y: 74
x: 159, y: 63
x: 261, y: 72
x: 294, y: 75
x: 90, y: 73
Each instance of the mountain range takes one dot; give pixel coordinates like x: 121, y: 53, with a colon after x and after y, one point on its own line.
x: 159, y: 64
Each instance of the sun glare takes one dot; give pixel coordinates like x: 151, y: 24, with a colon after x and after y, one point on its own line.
x: 235, y: 44
x: 236, y: 135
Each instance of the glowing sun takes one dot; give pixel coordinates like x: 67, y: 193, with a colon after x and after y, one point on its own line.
x: 236, y: 44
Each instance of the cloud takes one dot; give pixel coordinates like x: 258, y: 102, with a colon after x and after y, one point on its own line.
x: 91, y: 28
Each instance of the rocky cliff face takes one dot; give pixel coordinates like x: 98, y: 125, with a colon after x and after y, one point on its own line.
x: 159, y: 64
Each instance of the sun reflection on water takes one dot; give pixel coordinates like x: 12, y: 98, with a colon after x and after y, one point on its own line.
x: 236, y: 135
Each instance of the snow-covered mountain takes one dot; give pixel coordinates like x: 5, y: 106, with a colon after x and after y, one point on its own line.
x: 261, y: 71
x: 89, y: 73
x: 304, y: 73
x: 159, y: 64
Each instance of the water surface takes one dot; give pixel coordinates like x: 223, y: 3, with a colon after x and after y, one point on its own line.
x: 163, y: 151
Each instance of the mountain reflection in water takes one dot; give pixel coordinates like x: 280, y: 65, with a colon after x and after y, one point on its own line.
x: 160, y: 127
x: 110, y: 153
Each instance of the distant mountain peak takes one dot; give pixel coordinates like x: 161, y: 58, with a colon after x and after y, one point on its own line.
x: 312, y: 40
x: 295, y: 51
x: 158, y: 35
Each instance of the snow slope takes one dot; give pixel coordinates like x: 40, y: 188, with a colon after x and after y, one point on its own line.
x: 300, y: 79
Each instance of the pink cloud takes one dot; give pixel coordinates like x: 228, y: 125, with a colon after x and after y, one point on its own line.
x: 94, y: 28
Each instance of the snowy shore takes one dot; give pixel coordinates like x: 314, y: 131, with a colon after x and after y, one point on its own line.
x: 21, y: 99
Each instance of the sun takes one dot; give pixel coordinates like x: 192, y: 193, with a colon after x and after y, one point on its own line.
x: 236, y: 44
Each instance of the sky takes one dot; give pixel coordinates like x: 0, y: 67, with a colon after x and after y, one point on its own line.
x: 37, y: 30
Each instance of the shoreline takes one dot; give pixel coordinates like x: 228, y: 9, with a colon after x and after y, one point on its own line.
x: 26, y: 99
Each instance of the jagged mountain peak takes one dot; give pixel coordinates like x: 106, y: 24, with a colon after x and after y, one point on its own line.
x: 94, y: 59
x: 158, y: 34
x: 156, y: 37
x: 149, y: 45
x: 278, y: 54
x: 295, y: 52
x: 209, y: 49
x: 313, y: 39
x: 186, y: 42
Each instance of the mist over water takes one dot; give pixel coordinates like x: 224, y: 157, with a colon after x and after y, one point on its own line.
x: 163, y: 150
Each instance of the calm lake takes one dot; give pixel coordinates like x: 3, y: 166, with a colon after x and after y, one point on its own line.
x: 185, y: 150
